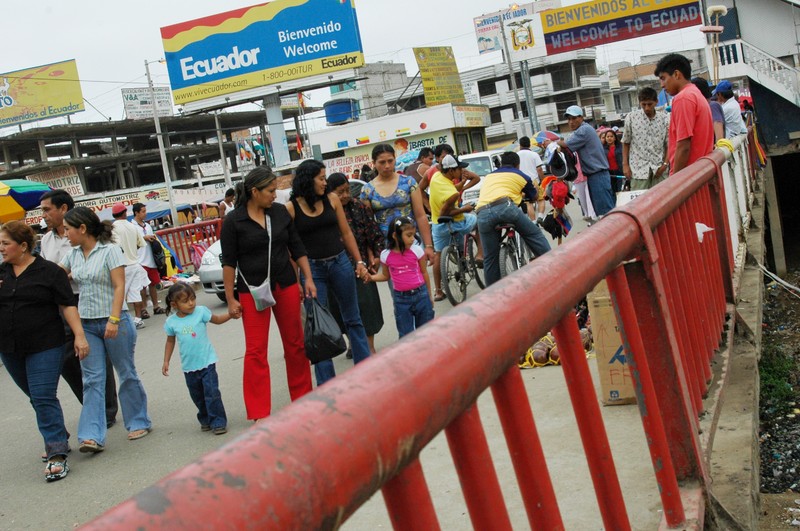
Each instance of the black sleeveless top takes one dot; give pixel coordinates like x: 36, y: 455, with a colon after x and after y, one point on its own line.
x: 320, y: 234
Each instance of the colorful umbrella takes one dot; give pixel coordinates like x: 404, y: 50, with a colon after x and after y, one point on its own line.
x: 17, y: 196
x: 541, y: 136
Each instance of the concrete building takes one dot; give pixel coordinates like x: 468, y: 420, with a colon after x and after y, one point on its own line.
x: 556, y: 82
x: 371, y: 81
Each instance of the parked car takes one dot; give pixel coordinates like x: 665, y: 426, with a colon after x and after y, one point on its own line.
x: 210, y: 271
x: 482, y: 164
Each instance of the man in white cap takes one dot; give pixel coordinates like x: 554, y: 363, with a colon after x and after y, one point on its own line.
x: 445, y: 193
x: 594, y: 162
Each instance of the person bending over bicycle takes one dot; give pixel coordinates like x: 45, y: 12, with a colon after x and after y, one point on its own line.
x: 502, y: 192
x: 444, y: 200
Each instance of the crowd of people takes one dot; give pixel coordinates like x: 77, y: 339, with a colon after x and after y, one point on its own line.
x: 64, y: 312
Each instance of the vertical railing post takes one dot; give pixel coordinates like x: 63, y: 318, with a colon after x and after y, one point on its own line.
x: 720, y: 212
x: 663, y: 356
x: 408, y: 500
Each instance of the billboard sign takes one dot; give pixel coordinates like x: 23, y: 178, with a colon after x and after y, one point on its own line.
x: 440, y: 79
x: 65, y: 178
x: 138, y: 105
x: 39, y: 93
x: 265, y: 44
x: 605, y: 21
x: 522, y: 25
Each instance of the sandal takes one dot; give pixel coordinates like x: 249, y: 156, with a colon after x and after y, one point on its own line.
x: 439, y: 295
x: 158, y: 310
x: 91, y: 447
x: 138, y: 434
x: 145, y: 315
x: 55, y: 476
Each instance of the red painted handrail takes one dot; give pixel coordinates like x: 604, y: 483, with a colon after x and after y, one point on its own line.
x: 183, y: 237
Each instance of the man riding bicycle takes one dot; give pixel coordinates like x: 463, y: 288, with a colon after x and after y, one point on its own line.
x: 502, y: 192
x: 444, y: 200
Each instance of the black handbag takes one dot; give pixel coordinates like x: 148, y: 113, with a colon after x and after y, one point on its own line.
x: 323, y: 337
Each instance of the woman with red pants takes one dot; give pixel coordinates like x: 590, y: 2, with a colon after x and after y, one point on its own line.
x: 246, y: 234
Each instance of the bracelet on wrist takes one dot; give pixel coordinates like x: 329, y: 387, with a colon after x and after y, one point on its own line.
x: 429, y: 245
x: 113, y: 320
x: 362, y: 263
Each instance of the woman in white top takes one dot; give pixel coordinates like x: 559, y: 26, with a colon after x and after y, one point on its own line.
x: 97, y: 266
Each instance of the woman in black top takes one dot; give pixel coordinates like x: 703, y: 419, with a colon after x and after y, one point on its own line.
x: 322, y: 225
x: 245, y: 244
x: 32, y: 290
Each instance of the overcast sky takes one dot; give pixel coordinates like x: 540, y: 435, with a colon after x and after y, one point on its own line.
x: 110, y: 39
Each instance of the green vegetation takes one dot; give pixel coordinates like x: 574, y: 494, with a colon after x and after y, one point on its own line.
x: 778, y: 378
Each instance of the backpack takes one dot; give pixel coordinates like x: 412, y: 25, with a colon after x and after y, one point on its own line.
x: 563, y: 164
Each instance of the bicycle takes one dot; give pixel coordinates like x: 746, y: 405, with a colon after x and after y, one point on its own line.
x: 458, y: 264
x: 514, y: 252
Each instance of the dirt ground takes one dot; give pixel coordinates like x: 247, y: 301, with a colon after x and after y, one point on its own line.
x: 780, y: 399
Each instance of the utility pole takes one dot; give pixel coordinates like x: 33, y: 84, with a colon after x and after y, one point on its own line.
x: 513, y: 82
x: 165, y: 167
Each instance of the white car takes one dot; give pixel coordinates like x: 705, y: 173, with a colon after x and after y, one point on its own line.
x: 210, y: 271
x: 482, y: 164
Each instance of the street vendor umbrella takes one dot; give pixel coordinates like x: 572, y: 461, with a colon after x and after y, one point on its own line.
x: 17, y: 196
x: 541, y: 136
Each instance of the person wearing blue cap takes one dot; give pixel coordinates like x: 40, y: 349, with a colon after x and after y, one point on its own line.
x: 594, y: 162
x: 734, y: 124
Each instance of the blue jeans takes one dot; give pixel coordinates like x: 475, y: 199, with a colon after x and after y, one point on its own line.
x: 412, y: 309
x: 132, y: 398
x: 603, y: 197
x: 337, y: 274
x: 204, y: 389
x: 506, y: 214
x: 37, y: 375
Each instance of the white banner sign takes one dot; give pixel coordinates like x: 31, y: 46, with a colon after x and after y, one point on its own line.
x: 139, y: 106
x: 65, y: 178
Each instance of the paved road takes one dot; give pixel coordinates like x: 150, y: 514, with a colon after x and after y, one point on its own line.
x: 98, y: 482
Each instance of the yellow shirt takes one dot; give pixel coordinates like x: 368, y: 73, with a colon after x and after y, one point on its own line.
x: 506, y: 182
x: 440, y: 190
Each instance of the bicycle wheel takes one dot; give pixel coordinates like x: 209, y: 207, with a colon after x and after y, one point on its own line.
x: 509, y: 261
x: 472, y: 250
x: 453, y: 280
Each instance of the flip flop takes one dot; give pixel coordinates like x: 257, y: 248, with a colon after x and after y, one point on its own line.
x: 158, y: 310
x: 439, y: 296
x: 138, y: 434
x: 91, y: 447
x: 55, y: 476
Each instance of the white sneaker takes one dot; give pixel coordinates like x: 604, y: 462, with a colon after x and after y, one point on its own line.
x: 139, y: 325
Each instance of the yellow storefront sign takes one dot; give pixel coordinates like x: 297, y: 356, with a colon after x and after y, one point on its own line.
x: 41, y: 92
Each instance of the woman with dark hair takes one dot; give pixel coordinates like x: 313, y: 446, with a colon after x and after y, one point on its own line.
x: 391, y: 195
x: 32, y: 290
x: 370, y: 243
x: 614, y: 154
x: 259, y: 239
x: 322, y: 225
x: 98, y: 267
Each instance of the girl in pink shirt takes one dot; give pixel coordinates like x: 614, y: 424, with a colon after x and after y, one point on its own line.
x: 404, y: 262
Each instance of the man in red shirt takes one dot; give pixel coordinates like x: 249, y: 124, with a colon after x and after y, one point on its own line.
x: 691, y: 130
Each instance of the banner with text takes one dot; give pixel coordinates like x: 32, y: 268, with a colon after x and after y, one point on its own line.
x: 605, y: 21
x: 440, y: 79
x: 65, y: 178
x: 38, y: 93
x: 139, y: 105
x: 98, y: 204
x: 260, y: 45
x: 406, y: 150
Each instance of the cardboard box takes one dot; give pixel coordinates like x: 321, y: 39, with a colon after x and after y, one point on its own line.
x: 616, y: 380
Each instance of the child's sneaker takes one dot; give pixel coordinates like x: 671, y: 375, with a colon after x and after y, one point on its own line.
x: 220, y: 431
x: 139, y: 324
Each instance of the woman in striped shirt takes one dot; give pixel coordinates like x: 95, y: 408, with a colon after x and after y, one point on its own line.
x: 97, y: 266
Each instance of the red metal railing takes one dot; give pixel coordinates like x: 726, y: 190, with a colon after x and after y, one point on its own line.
x: 312, y: 464
x: 183, y: 237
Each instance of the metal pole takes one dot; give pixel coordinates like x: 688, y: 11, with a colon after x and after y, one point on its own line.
x: 164, y: 166
x: 520, y: 122
x: 222, y: 160
x: 526, y: 83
